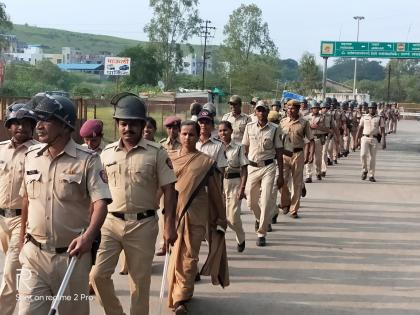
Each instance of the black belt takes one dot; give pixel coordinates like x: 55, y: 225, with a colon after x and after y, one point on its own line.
x: 262, y: 163
x: 232, y: 175
x: 369, y: 136
x: 139, y: 216
x: 10, y: 213
x: 57, y: 250
x: 296, y: 150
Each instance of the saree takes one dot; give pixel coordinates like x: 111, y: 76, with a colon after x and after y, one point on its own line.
x: 198, y: 210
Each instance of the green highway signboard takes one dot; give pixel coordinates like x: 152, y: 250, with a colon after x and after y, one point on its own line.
x: 370, y: 50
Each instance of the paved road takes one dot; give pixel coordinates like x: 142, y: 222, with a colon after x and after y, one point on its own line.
x: 355, y: 249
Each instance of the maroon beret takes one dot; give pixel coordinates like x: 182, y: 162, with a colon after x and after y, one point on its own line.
x: 91, y: 128
x: 172, y: 120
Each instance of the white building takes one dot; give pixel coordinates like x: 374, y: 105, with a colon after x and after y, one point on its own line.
x: 193, y: 64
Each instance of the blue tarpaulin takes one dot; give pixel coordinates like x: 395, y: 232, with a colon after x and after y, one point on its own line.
x: 293, y: 96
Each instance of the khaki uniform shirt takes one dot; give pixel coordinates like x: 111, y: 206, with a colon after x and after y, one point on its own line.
x: 134, y: 177
x: 11, y: 173
x: 253, y: 117
x: 371, y: 124
x: 170, y: 145
x: 99, y: 149
x: 295, y: 132
x: 319, y: 120
x: 327, y: 120
x: 214, y: 149
x: 60, y: 192
x: 236, y: 157
x: 238, y: 124
x: 262, y: 141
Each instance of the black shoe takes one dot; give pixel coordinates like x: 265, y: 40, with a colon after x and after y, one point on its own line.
x: 295, y: 216
x: 340, y: 155
x: 261, y: 241
x: 364, y: 175
x: 197, y: 277
x: 323, y: 174
x: 286, y: 210
x: 274, y: 219
x: 372, y: 179
x: 319, y: 177
x: 308, y: 180
x: 346, y: 153
x: 303, y: 191
x: 335, y: 161
x: 329, y: 162
x: 269, y: 228
x: 240, y: 247
x: 257, y: 226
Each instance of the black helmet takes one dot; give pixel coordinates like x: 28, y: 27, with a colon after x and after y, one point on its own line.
x: 59, y: 107
x: 345, y: 104
x: 328, y: 100
x: 128, y: 106
x: 334, y: 101
x: 315, y: 104
x: 372, y: 105
x: 353, y: 104
x: 18, y: 111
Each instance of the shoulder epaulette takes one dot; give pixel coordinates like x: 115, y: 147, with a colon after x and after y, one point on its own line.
x: 35, y: 147
x: 163, y: 140
x: 85, y: 149
x: 153, y: 144
x: 110, y: 146
x: 5, y: 142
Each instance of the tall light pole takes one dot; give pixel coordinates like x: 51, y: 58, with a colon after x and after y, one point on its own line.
x: 358, y: 18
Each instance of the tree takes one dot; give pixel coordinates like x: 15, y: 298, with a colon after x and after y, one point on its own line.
x: 246, y: 33
x: 309, y: 74
x: 5, y: 25
x: 145, y: 66
x: 173, y: 23
x: 343, y: 70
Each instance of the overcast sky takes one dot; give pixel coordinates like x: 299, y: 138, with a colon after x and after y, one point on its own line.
x: 295, y: 26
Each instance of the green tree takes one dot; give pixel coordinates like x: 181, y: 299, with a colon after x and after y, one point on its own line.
x: 246, y: 34
x: 309, y: 74
x: 5, y: 25
x: 145, y: 66
x: 173, y: 23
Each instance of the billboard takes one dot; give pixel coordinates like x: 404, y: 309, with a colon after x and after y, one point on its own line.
x: 117, y: 66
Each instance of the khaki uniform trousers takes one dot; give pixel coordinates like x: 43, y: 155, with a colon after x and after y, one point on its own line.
x: 325, y: 154
x: 292, y: 166
x: 332, y: 148
x: 41, y: 276
x: 274, y: 195
x: 317, y: 160
x: 259, y: 188
x: 368, y: 148
x: 9, y: 238
x: 137, y: 239
x: 233, y: 207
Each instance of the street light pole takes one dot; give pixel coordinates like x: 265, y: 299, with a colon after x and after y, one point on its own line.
x: 358, y: 18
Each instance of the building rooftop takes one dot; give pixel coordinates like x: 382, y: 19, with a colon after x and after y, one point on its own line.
x: 81, y: 66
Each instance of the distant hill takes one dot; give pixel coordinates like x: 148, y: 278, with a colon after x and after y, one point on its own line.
x: 53, y: 39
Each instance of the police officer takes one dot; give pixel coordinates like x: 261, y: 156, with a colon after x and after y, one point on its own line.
x: 172, y: 125
x: 20, y: 121
x: 262, y: 141
x: 61, y: 181
x: 327, y: 122
x: 317, y: 124
x: 91, y: 132
x: 136, y: 168
x: 238, y: 119
x: 253, y: 103
x: 208, y: 144
x: 295, y: 129
x: 372, y: 129
x: 276, y: 106
x: 195, y: 108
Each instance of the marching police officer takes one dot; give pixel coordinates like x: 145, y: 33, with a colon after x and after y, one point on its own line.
x: 136, y: 169
x: 262, y: 141
x: 91, y: 132
x: 238, y: 119
x: 372, y: 127
x: 20, y: 121
x: 295, y: 129
x: 172, y: 125
x: 61, y: 181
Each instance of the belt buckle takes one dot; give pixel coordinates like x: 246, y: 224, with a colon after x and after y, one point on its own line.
x: 130, y: 216
x: 48, y: 247
x: 9, y: 213
x: 260, y: 163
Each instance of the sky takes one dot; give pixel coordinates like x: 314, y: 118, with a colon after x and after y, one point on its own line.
x: 295, y: 26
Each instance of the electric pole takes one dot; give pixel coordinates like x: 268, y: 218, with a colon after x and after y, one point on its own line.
x: 205, y: 33
x: 358, y: 19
